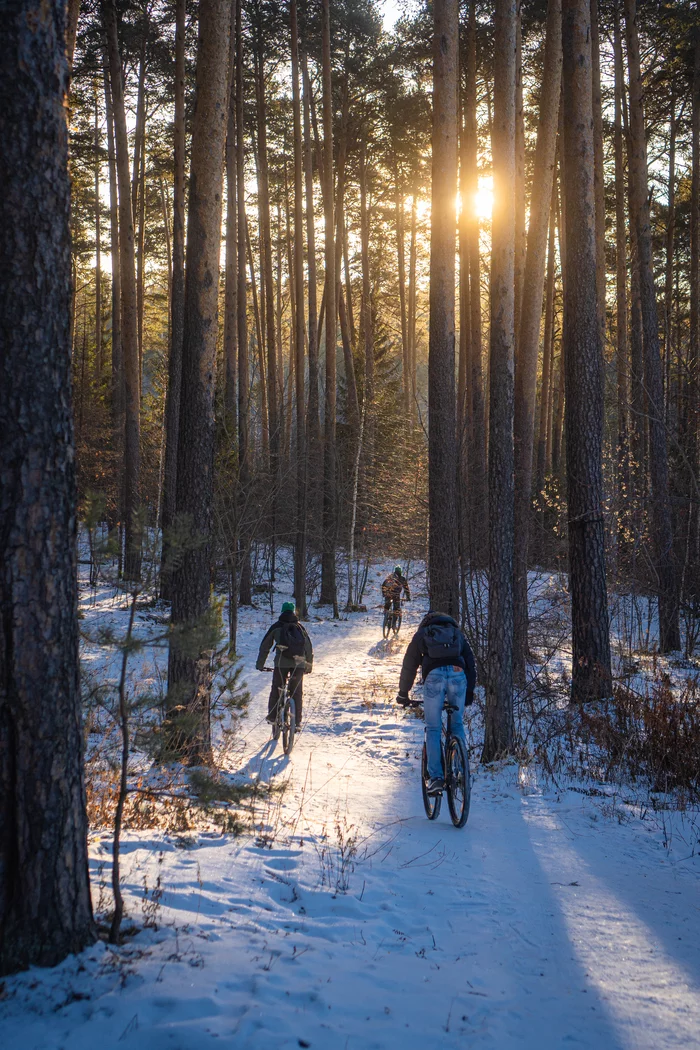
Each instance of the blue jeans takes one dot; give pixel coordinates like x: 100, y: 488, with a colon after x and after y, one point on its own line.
x: 442, y: 683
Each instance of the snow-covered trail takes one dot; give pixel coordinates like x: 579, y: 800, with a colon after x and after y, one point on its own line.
x: 544, y: 923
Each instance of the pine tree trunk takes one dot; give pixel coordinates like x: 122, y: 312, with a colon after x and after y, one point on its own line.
x: 599, y: 172
x: 328, y: 582
x: 98, y: 250
x: 177, y: 306
x: 520, y: 189
x: 478, y: 501
x: 45, y: 909
x: 188, y: 676
x: 622, y: 344
x: 231, y: 273
x: 299, y: 333
x: 529, y: 326
x: 547, y: 349
x: 412, y: 260
x: 669, y: 627
x: 442, y: 452
x: 498, y: 732
x: 583, y: 355
x: 244, y: 444
x: 118, y: 393
x: 313, y: 418
x: 129, y: 309
x: 401, y: 258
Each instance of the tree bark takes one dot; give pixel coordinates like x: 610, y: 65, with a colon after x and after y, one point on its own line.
x: 313, y: 409
x: 442, y: 452
x: 188, y: 676
x: 231, y: 273
x: 669, y: 627
x: 498, y: 733
x: 599, y: 172
x: 622, y: 343
x: 547, y: 349
x: 177, y: 306
x: 129, y: 310
x: 98, y: 249
x: 244, y: 443
x: 118, y: 393
x: 45, y: 909
x: 299, y: 333
x: 529, y: 326
x: 583, y: 354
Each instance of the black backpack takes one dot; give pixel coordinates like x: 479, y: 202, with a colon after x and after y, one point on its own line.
x: 443, y: 641
x: 292, y: 638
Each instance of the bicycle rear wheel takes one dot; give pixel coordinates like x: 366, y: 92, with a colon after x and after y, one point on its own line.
x: 430, y: 802
x: 276, y: 728
x: 458, y: 781
x: 289, y: 724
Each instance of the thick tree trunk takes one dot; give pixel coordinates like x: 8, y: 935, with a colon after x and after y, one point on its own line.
x: 583, y: 355
x: 188, y: 676
x: 72, y: 16
x: 520, y: 189
x: 299, y: 333
x: 328, y: 582
x: 498, y: 734
x: 599, y: 172
x: 129, y: 309
x: 529, y: 325
x: 177, y: 305
x: 442, y: 452
x: 669, y: 627
x: 231, y: 273
x: 45, y: 909
x: 622, y: 459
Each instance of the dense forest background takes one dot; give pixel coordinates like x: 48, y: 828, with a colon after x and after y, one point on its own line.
x: 335, y: 291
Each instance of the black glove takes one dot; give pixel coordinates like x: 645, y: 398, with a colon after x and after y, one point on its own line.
x: 469, y: 698
x: 403, y: 700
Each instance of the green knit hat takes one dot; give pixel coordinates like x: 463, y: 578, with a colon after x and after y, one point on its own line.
x: 288, y: 607
x: 397, y: 570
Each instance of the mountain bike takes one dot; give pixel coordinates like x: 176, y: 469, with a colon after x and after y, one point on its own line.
x: 455, y: 765
x: 286, y: 720
x: 392, y: 621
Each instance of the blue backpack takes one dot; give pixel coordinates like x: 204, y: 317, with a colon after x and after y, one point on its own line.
x: 443, y: 641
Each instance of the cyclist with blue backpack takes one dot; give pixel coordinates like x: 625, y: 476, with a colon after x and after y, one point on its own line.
x: 449, y: 673
x: 294, y: 657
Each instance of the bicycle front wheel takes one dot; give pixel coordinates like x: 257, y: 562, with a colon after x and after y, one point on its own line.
x: 397, y: 624
x: 458, y: 781
x: 386, y: 625
x: 430, y: 802
x: 289, y: 724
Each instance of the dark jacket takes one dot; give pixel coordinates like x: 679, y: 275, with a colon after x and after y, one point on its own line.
x: 394, y: 585
x: 417, y: 656
x: 274, y: 637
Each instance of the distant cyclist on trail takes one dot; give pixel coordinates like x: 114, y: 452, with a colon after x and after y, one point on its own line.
x: 393, y: 587
x: 294, y: 656
x: 449, y: 672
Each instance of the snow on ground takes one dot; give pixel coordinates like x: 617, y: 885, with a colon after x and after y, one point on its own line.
x: 347, y: 921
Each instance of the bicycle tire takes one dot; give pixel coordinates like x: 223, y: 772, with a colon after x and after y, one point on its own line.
x: 457, y: 781
x: 276, y: 728
x: 396, y: 626
x: 386, y: 625
x: 430, y: 802
x: 289, y: 724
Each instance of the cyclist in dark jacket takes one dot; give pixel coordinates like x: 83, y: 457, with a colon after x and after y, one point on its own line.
x: 393, y: 587
x: 287, y: 634
x: 449, y: 671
